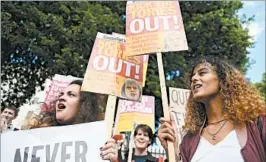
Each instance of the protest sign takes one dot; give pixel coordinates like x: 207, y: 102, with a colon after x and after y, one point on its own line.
x: 54, y: 87
x: 154, y: 26
x: 145, y: 57
x: 109, y: 71
x: 129, y: 112
x: 77, y: 143
x: 178, y: 99
x: 111, y: 102
x: 178, y: 102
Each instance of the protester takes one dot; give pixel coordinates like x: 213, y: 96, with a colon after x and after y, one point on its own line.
x: 72, y: 107
x: 68, y: 102
x: 143, y: 138
x: 7, y: 115
x: 131, y: 90
x: 225, y: 117
x: 88, y: 107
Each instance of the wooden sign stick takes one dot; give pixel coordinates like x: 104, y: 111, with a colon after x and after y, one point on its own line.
x: 166, y: 112
x: 129, y: 159
x: 109, y: 114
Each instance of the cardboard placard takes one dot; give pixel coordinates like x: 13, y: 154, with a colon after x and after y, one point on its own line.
x: 54, y: 87
x: 154, y: 26
x: 129, y: 112
x: 178, y: 102
x: 56, y: 144
x: 109, y: 71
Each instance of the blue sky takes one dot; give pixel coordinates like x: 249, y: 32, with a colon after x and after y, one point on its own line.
x: 257, y: 30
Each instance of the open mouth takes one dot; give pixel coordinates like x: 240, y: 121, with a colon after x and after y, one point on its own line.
x: 196, y: 86
x: 61, y: 106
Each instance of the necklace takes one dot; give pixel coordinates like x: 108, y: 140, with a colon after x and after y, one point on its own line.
x: 216, y: 122
x: 214, y: 134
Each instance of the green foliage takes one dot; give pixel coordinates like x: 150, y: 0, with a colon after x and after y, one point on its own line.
x: 261, y: 86
x: 61, y: 35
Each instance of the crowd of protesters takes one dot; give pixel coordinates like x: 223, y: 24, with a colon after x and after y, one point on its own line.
x: 225, y: 118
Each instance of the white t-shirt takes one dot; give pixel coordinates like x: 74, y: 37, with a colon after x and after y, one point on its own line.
x: 227, y: 150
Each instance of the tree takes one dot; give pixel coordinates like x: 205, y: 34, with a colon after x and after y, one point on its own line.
x: 40, y: 39
x: 57, y: 37
x: 261, y: 86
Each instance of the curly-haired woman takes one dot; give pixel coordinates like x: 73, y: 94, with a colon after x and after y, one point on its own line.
x: 225, y: 117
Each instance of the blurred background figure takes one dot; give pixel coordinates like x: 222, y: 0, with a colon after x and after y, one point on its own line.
x: 7, y: 115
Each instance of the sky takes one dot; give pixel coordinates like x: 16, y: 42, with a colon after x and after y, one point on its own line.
x: 257, y: 30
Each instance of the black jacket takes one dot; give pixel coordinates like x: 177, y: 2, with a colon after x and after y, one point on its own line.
x: 149, y: 157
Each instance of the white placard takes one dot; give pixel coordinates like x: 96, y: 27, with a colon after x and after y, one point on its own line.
x: 178, y: 101
x: 74, y: 143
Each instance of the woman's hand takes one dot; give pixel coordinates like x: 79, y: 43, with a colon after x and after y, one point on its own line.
x: 167, y: 132
x: 110, y: 150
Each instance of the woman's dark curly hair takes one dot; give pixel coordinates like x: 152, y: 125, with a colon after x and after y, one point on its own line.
x: 241, y: 101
